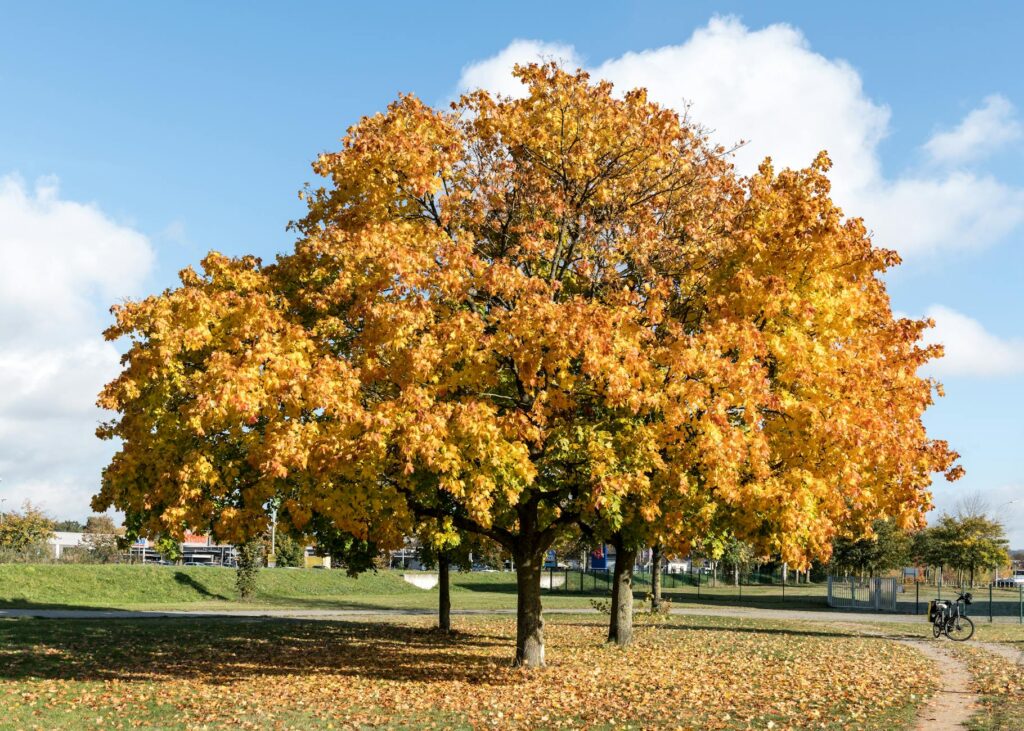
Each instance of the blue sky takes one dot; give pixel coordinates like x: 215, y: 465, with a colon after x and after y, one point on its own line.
x: 134, y: 137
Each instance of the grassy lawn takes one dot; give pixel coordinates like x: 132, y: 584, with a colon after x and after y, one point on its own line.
x: 713, y: 673
x: 181, y: 587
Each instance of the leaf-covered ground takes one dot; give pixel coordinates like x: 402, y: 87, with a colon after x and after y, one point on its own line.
x: 1000, y: 683
x: 690, y: 673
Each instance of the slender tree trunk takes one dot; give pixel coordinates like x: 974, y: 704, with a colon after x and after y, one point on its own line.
x: 655, y: 577
x: 444, y: 607
x: 620, y: 627
x: 529, y: 613
x: 735, y: 574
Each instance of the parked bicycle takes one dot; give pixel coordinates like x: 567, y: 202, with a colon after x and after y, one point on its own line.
x: 948, y: 619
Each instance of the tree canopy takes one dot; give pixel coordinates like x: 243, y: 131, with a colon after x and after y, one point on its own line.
x: 967, y: 542
x: 519, y: 317
x: 887, y: 547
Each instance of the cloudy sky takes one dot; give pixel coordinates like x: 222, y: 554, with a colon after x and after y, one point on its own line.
x: 135, y: 137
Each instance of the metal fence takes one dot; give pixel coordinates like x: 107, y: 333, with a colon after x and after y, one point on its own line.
x: 989, y: 601
x: 877, y: 594
x: 748, y: 587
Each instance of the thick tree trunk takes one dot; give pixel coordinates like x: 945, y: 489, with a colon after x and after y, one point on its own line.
x: 529, y: 613
x: 620, y: 627
x: 655, y: 577
x: 444, y: 607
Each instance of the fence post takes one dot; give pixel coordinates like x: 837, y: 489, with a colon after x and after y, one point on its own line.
x: 990, y: 602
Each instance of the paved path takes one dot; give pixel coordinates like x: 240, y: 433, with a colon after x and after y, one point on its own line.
x: 334, y: 614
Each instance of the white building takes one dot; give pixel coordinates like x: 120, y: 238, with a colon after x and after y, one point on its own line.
x: 61, y: 541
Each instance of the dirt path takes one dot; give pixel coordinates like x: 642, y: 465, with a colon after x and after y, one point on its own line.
x: 1012, y: 654
x: 954, y: 702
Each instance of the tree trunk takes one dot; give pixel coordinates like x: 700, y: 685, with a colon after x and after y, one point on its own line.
x: 529, y: 613
x: 735, y: 574
x: 655, y: 577
x: 620, y: 627
x: 444, y: 607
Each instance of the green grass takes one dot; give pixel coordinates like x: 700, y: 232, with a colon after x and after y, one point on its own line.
x: 181, y: 587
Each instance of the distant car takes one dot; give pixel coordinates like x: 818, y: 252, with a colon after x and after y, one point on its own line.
x: 1012, y: 582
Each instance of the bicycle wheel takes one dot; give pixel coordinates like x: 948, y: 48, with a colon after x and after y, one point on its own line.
x: 960, y: 629
x: 936, y: 629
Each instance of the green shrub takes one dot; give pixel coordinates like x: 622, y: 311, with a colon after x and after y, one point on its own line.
x: 250, y: 556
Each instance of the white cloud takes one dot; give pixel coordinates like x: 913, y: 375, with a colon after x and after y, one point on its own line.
x: 495, y: 73
x: 64, y: 263
x: 970, y: 350
x: 770, y: 88
x: 981, y: 133
x: 959, y: 210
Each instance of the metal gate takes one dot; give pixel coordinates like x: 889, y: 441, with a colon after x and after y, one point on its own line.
x: 876, y: 593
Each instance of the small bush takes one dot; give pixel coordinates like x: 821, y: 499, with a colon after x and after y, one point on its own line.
x: 250, y: 556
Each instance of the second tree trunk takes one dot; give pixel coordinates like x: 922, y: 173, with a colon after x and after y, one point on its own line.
x: 444, y: 607
x: 655, y: 577
x: 620, y: 628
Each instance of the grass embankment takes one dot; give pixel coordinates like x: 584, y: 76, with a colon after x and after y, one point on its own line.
x: 709, y: 673
x: 184, y: 587
x: 131, y: 587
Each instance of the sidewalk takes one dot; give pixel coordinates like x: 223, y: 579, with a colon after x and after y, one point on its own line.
x: 341, y: 614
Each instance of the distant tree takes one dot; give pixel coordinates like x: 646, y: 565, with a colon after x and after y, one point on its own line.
x: 737, y: 555
x: 101, y: 539
x: 288, y: 552
x: 887, y: 548
x: 68, y: 526
x: 25, y: 532
x: 169, y: 548
x: 100, y: 525
x: 965, y: 542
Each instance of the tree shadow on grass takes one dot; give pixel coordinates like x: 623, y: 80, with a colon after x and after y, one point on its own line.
x: 837, y: 630
x: 685, y: 625
x: 185, y: 580
x: 227, y: 651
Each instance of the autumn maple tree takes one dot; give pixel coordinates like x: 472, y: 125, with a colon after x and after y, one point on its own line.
x: 521, y: 317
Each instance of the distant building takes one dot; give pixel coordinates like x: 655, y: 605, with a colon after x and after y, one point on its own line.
x: 61, y: 541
